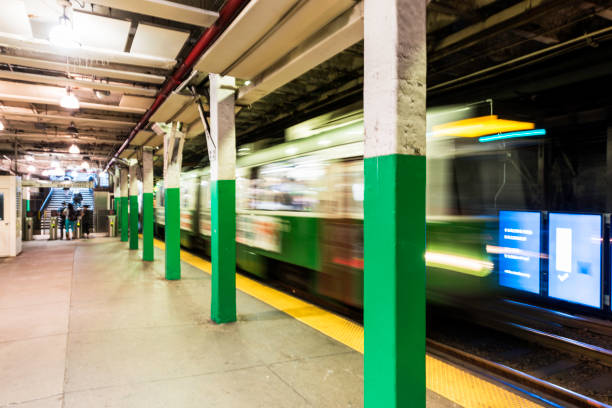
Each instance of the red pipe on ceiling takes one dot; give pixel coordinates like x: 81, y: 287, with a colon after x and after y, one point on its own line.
x: 226, y: 16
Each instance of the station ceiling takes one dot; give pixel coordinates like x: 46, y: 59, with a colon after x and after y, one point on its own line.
x: 128, y: 49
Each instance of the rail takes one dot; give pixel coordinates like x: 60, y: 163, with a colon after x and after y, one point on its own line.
x: 523, y: 382
x: 44, y: 204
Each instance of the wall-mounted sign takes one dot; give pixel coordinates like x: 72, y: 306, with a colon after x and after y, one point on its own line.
x: 519, y: 259
x: 574, y: 265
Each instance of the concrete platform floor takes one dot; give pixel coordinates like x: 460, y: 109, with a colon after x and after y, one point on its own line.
x: 88, y: 324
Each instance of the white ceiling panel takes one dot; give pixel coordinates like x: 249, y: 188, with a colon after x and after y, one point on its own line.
x: 158, y: 140
x: 141, y: 137
x: 157, y: 41
x: 101, y: 32
x: 307, y: 20
x: 136, y: 102
x: 257, y: 18
x: 14, y: 18
x: 170, y: 107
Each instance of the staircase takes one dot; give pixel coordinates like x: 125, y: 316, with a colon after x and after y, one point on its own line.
x: 59, y: 195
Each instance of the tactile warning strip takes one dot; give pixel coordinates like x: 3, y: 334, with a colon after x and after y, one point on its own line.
x: 453, y: 383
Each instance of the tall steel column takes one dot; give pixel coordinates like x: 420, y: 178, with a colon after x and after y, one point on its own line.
x: 173, y: 159
x: 123, y: 206
x: 134, y: 205
x: 394, y: 205
x: 222, y: 154
x: 147, y: 204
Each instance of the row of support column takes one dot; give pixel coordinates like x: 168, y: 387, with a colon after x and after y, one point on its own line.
x: 126, y: 205
x: 394, y: 202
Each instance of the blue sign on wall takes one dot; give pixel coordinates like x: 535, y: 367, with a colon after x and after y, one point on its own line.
x: 519, y: 260
x: 574, y: 265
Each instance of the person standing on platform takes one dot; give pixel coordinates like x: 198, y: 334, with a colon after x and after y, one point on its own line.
x: 71, y: 217
x: 86, y: 220
x: 62, y: 219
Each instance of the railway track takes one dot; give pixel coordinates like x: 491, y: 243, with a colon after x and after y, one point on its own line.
x: 546, y: 392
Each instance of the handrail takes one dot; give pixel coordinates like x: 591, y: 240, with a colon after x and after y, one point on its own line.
x: 42, y: 207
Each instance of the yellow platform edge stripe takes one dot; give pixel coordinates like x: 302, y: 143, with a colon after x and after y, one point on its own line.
x: 449, y: 381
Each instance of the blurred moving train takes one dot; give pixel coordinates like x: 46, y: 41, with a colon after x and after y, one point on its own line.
x: 299, y: 208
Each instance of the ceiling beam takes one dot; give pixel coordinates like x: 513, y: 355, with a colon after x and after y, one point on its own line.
x: 341, y: 33
x: 45, y: 137
x: 82, y: 69
x: 38, y: 117
x: 56, y: 102
x: 509, y: 18
x: 168, y: 10
x: 85, y: 52
x: 80, y: 83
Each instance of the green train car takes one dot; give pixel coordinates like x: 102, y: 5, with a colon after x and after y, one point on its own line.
x: 299, y: 209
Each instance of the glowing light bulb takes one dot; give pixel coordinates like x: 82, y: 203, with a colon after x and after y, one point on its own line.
x: 31, y: 169
x: 74, y: 149
x: 69, y: 101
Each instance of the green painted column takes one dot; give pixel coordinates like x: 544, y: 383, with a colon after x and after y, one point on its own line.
x: 117, y: 186
x: 123, y: 206
x: 147, y: 205
x: 133, y: 206
x: 394, y: 203
x: 173, y: 154
x: 222, y: 152
x: 27, y: 205
x: 173, y: 233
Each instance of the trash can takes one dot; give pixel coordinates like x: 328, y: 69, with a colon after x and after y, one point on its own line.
x: 29, y: 229
x: 78, y: 232
x: 112, y: 226
x: 53, y: 228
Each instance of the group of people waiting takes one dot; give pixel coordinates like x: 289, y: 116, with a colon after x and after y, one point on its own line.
x: 69, y: 217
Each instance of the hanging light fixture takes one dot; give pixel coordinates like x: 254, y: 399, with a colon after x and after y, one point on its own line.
x: 63, y: 33
x: 69, y: 101
x: 31, y: 169
x: 74, y: 149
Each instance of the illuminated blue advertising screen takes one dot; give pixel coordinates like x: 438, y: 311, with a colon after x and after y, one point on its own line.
x: 519, y: 259
x: 574, y: 264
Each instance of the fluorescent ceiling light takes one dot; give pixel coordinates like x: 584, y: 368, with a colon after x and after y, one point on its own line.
x: 1, y: 125
x: 512, y: 135
x: 69, y: 101
x: 480, y: 126
x: 74, y: 149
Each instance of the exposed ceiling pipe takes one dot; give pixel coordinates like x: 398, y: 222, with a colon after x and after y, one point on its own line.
x: 226, y: 16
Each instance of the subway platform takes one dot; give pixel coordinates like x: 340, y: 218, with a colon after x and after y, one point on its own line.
x: 88, y: 324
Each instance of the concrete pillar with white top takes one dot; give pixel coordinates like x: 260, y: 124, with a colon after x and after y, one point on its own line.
x: 394, y: 203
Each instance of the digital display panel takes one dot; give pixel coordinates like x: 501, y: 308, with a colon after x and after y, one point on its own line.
x: 574, y: 265
x: 519, y: 259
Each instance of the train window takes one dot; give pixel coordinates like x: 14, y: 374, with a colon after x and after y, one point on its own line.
x: 292, y: 185
x: 347, y: 189
x: 188, y: 193
x: 204, y: 195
